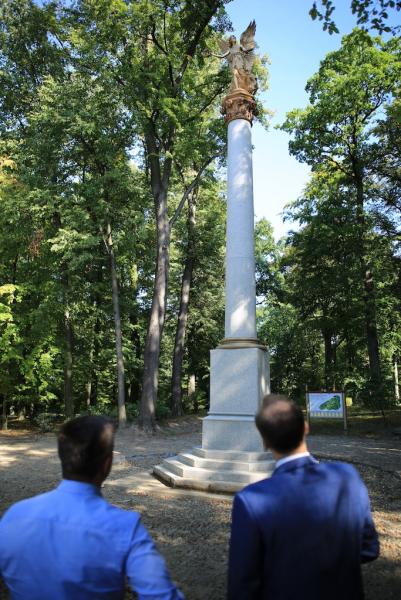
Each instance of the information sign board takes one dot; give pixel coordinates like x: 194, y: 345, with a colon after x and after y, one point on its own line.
x: 328, y: 405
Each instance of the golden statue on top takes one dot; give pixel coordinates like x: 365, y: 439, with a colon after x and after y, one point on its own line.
x: 240, y: 58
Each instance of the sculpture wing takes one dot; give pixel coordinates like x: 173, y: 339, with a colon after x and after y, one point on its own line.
x: 224, y: 45
x: 248, y: 37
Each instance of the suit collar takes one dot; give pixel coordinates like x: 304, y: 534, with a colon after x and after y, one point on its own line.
x: 291, y: 457
x: 296, y: 463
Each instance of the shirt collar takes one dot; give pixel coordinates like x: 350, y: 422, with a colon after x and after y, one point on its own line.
x: 287, y: 459
x: 71, y: 486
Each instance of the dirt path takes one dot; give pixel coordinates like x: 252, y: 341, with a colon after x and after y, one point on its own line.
x: 384, y: 454
x: 191, y: 528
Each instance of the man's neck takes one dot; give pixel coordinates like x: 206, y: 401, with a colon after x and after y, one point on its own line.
x: 301, y: 449
x: 96, y: 482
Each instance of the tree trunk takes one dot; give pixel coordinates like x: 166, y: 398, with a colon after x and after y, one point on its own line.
x: 89, y: 384
x: 369, y: 295
x: 88, y: 388
x: 4, y: 421
x: 179, y: 344
x: 94, y: 373
x: 147, y: 414
x: 122, y: 416
x: 95, y: 346
x: 191, y: 385
x: 134, y: 386
x: 67, y: 332
x: 316, y: 382
x: 90, y: 377
x: 371, y: 327
x: 334, y: 366
x: 68, y: 363
x: 396, y: 382
x: 328, y: 360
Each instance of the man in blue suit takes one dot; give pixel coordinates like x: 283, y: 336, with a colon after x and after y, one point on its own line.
x: 304, y: 532
x: 70, y: 544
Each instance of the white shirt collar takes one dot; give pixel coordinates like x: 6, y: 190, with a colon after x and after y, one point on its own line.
x: 287, y: 459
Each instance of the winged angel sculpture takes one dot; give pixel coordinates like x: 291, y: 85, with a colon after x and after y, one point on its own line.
x: 240, y: 58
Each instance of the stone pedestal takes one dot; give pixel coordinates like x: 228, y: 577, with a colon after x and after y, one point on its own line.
x: 232, y: 454
x: 239, y: 378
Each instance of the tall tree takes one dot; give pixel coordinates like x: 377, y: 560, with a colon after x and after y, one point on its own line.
x: 351, y: 86
x: 154, y: 52
x: 179, y: 343
x: 171, y: 98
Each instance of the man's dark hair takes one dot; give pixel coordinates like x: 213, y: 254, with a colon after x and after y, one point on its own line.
x: 280, y: 423
x: 83, y: 445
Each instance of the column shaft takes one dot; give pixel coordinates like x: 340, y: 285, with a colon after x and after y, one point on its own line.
x: 240, y: 315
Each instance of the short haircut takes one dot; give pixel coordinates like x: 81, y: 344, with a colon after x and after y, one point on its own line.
x: 280, y: 423
x: 83, y: 445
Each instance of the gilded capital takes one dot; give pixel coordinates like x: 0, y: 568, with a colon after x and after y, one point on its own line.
x: 239, y: 105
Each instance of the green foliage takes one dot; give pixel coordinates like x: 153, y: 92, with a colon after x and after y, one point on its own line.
x: 334, y: 318
x: 81, y: 86
x: 45, y: 422
x: 370, y: 13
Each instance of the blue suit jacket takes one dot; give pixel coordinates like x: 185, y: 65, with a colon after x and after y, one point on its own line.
x: 302, y: 534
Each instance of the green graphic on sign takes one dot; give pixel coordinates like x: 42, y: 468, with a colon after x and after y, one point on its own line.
x: 333, y: 403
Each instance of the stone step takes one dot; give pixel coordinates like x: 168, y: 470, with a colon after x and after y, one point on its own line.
x: 214, y: 470
x: 176, y: 466
x: 232, y: 455
x: 193, y: 460
x: 216, y: 487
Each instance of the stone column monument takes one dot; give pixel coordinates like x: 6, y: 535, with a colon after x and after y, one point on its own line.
x: 231, y: 454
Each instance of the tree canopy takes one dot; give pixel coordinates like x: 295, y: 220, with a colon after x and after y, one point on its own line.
x: 374, y: 14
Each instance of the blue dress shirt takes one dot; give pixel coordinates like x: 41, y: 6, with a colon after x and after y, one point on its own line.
x: 71, y: 544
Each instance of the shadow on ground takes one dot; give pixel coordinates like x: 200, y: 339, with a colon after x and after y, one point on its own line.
x: 192, y: 530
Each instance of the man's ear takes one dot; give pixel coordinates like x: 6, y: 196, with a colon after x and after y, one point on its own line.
x: 108, y: 461
x: 306, y: 428
x: 266, y: 444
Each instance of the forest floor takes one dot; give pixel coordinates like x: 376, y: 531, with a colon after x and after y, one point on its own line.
x: 191, y: 529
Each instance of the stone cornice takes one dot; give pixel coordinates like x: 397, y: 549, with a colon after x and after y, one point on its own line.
x: 232, y: 343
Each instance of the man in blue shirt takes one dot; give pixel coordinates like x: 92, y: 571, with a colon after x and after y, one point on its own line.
x: 70, y: 543
x: 304, y: 532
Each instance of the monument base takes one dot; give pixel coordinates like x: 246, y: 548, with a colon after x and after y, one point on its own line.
x: 231, y: 432
x: 213, y: 470
x: 239, y: 378
x: 232, y: 454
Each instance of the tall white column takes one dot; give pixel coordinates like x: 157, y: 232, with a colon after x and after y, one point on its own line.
x: 240, y: 315
x: 239, y: 367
